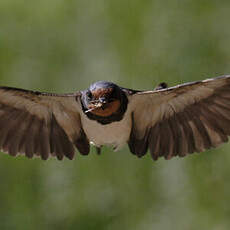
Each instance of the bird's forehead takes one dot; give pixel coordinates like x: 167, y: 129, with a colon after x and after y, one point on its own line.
x: 99, y: 92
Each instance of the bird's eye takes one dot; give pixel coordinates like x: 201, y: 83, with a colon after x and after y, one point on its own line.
x: 89, y: 95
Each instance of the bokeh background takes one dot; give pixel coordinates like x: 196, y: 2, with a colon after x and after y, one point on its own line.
x: 63, y: 46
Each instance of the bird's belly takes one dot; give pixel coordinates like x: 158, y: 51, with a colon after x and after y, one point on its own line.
x: 115, y: 134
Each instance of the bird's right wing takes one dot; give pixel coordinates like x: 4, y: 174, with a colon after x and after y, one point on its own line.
x: 183, y: 119
x: 42, y: 124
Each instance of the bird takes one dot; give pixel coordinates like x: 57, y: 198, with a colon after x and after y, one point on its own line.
x: 165, y: 121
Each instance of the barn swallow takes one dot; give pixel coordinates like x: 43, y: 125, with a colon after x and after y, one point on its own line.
x: 174, y: 121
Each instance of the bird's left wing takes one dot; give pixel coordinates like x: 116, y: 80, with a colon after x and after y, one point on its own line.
x: 183, y: 119
x: 42, y: 124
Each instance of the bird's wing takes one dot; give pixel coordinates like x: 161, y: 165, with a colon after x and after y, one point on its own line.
x: 183, y: 119
x: 42, y: 124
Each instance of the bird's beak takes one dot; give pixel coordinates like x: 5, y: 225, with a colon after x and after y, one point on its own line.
x: 95, y: 106
x: 100, y: 103
x: 102, y: 100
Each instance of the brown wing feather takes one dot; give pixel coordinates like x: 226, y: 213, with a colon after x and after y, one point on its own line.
x: 41, y: 124
x: 179, y: 120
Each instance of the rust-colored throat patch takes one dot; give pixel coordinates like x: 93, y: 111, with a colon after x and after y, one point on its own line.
x: 107, y: 110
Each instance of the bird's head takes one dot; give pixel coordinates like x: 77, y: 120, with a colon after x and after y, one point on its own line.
x: 102, y: 99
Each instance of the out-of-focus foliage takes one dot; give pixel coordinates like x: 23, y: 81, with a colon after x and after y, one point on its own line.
x: 63, y: 46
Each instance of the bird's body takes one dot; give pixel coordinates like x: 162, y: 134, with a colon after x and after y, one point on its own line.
x: 112, y: 133
x: 168, y: 122
x: 115, y: 134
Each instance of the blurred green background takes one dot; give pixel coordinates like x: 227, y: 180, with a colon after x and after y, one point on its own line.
x: 63, y: 46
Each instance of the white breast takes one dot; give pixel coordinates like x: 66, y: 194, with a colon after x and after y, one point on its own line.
x: 115, y: 134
